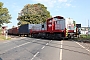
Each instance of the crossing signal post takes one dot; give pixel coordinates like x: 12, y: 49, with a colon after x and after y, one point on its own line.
x: 5, y: 32
x: 78, y: 31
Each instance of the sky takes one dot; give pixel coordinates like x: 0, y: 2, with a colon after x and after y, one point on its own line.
x: 78, y: 10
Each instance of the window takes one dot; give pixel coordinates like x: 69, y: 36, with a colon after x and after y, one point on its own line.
x: 42, y: 26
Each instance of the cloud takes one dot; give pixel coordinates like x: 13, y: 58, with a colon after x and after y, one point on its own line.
x: 68, y: 4
x: 70, y: 0
x: 16, y: 7
x: 54, y: 3
x: 73, y: 6
x: 62, y: 1
x: 48, y: 3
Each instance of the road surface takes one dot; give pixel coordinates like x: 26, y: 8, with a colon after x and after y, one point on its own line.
x: 43, y: 49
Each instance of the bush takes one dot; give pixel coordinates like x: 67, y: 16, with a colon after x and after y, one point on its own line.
x: 85, y: 37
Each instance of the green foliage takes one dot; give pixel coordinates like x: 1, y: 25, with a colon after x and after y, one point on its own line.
x: 4, y: 15
x: 74, y: 23
x: 2, y: 37
x: 85, y: 36
x: 0, y: 31
x: 33, y: 14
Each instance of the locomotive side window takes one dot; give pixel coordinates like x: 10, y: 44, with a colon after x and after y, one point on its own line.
x: 55, y: 22
x: 49, y: 21
x: 42, y: 26
x: 55, y: 18
x: 69, y: 27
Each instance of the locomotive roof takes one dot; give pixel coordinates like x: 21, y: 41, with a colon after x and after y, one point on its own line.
x: 60, y: 17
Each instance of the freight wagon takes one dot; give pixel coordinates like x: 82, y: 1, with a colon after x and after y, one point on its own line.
x: 9, y: 31
x: 25, y: 29
x: 54, y: 28
x: 15, y: 31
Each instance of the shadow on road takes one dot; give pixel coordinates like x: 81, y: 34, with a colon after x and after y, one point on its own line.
x: 37, y: 42
x: 64, y: 48
x: 47, y: 39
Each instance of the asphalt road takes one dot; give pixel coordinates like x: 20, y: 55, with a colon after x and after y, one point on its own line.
x: 43, y: 49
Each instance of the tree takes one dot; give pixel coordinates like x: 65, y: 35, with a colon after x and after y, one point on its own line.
x: 4, y: 15
x: 33, y: 14
x: 74, y: 22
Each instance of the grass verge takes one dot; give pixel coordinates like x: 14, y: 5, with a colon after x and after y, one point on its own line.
x: 2, y: 37
x: 83, y: 38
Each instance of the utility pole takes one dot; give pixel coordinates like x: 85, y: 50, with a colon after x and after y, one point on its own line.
x: 88, y: 27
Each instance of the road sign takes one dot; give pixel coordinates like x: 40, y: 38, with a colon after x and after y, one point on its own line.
x: 78, y: 25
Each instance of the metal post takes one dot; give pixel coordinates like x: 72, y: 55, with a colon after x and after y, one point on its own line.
x: 6, y: 34
x: 88, y: 27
